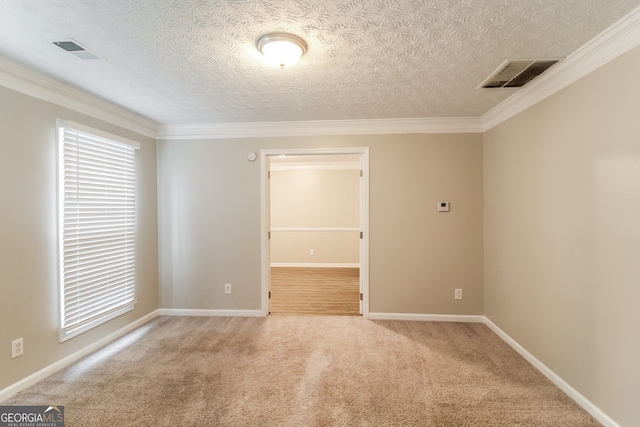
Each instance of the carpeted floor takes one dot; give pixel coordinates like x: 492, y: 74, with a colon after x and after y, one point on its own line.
x: 305, y: 371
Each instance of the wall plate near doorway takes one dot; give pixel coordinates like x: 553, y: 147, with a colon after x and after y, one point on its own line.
x: 443, y: 206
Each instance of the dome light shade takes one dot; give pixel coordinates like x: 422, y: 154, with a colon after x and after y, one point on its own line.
x: 282, y: 49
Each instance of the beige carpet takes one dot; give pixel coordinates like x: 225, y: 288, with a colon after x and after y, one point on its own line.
x: 305, y: 371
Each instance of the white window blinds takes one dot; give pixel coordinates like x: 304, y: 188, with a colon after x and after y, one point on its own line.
x: 97, y: 207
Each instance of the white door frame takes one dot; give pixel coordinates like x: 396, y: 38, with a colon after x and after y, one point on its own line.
x: 363, y: 152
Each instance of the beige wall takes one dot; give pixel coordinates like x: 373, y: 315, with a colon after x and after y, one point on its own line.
x: 209, y: 218
x: 562, y: 234
x: 318, y: 199
x: 330, y: 248
x: 28, y: 255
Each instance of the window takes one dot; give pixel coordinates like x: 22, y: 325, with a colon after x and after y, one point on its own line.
x: 96, y: 217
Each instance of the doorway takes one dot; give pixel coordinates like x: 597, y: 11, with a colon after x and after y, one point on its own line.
x: 315, y: 246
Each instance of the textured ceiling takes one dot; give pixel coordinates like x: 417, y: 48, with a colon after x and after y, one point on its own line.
x: 195, y: 61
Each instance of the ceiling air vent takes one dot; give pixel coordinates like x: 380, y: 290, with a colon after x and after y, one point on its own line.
x: 517, y: 73
x: 76, y: 49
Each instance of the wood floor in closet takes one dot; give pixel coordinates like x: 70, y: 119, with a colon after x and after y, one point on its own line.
x: 306, y: 290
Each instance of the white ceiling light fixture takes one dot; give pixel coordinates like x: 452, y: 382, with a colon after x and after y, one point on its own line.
x: 282, y: 49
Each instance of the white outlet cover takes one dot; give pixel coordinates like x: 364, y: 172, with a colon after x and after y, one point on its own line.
x: 443, y: 206
x: 17, y: 348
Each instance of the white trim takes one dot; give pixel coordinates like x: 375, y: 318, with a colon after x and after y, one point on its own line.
x: 97, y: 132
x: 315, y: 229
x: 316, y: 264
x: 265, y: 155
x: 265, y: 225
x: 307, y: 166
x: 74, y: 357
x: 428, y: 317
x: 585, y: 403
x: 312, y: 151
x: 210, y: 313
x: 619, y: 38
x: 322, y: 127
x: 30, y: 83
x: 364, y: 241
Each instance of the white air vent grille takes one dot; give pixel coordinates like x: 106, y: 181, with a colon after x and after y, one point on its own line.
x: 75, y: 48
x: 517, y: 73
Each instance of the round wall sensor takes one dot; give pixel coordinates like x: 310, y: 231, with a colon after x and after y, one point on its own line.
x: 251, y: 157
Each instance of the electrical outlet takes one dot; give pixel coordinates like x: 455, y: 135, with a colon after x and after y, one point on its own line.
x: 458, y: 294
x: 312, y: 252
x: 17, y: 348
x: 227, y: 288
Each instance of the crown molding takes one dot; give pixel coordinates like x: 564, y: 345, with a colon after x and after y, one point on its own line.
x: 616, y: 40
x: 608, y: 45
x: 321, y: 127
x: 24, y: 80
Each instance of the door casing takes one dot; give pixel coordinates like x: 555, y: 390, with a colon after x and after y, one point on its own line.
x: 265, y: 155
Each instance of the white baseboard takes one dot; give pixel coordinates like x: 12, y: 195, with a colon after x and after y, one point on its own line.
x: 316, y: 265
x: 74, y: 357
x: 427, y: 317
x: 219, y: 313
x: 585, y: 403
